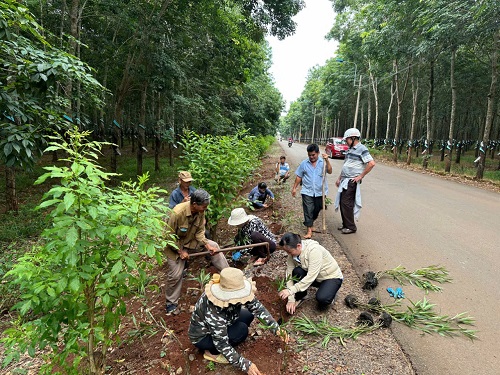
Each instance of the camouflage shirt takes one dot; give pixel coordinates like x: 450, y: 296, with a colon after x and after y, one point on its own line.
x: 208, y: 319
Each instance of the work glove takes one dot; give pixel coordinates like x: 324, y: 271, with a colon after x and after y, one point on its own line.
x: 391, y: 292
x: 236, y: 256
x: 400, y: 293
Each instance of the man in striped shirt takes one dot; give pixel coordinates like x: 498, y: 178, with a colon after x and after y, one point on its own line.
x: 358, y: 163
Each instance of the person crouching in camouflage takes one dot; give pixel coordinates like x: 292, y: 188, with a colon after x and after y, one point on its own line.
x: 222, y: 315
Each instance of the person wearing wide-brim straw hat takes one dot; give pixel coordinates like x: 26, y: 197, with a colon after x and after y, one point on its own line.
x: 252, y: 230
x: 222, y: 315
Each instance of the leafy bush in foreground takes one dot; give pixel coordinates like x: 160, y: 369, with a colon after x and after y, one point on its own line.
x: 95, y: 255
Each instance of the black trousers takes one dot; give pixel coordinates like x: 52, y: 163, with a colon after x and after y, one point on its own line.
x: 327, y: 289
x: 261, y: 251
x: 237, y: 333
x: 347, y: 199
x: 311, y: 207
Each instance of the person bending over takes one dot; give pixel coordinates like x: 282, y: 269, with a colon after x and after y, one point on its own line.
x: 221, y: 318
x: 309, y: 264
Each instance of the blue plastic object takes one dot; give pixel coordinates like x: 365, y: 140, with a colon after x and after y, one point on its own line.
x: 391, y: 292
x: 236, y: 256
x: 400, y: 293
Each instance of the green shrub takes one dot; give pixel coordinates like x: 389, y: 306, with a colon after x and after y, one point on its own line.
x: 94, y: 255
x: 220, y: 165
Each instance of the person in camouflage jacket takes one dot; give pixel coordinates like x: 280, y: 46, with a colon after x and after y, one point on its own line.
x: 221, y: 318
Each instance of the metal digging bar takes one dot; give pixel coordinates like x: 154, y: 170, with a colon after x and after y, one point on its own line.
x: 266, y: 244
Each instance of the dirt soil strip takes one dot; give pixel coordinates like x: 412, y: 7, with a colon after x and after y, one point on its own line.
x: 158, y: 344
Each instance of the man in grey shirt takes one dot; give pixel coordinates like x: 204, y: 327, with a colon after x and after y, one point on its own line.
x: 358, y: 163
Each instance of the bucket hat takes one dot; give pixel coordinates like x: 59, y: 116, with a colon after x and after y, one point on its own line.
x: 238, y: 216
x: 229, y: 288
x: 185, y: 176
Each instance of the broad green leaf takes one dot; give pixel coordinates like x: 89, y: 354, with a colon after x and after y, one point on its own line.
x: 69, y: 199
x: 71, y: 236
x: 117, y: 268
x: 74, y: 284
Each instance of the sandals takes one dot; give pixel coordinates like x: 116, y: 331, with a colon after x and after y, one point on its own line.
x: 219, y: 358
x: 260, y: 262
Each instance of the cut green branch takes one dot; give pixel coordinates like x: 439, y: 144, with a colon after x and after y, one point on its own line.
x: 421, y: 278
x: 327, y: 332
x: 421, y: 315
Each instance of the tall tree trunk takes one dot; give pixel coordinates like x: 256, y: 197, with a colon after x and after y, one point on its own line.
x: 429, y: 116
x: 414, y: 89
x: 453, y: 111
x: 357, y: 103
x: 10, y: 189
x: 368, y: 114
x: 375, y: 98
x: 362, y: 122
x: 120, y: 99
x: 393, y: 91
x: 140, y: 128
x: 491, y: 105
x: 400, y: 94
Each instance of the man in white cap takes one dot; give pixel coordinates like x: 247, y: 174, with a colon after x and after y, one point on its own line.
x: 183, y: 191
x: 357, y: 164
x: 222, y: 315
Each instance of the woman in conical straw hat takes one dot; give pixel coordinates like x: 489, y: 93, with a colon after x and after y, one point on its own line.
x: 222, y: 315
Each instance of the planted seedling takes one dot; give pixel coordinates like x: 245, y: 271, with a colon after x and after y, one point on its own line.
x: 203, y: 278
x: 281, y: 282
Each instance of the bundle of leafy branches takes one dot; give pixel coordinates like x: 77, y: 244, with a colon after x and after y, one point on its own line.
x: 418, y: 315
x: 421, y: 278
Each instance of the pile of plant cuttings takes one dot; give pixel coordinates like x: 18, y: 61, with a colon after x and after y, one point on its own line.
x: 419, y: 315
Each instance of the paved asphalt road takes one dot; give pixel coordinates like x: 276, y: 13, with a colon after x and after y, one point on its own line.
x: 415, y: 220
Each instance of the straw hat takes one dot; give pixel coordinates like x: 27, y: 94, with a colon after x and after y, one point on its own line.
x: 238, y: 216
x: 229, y: 288
x: 185, y: 176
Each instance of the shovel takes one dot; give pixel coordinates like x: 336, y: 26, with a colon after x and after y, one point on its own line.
x: 323, y: 216
x: 266, y: 244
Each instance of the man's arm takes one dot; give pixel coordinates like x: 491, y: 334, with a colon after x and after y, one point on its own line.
x: 328, y: 165
x: 172, y: 226
x: 368, y: 168
x: 295, y: 184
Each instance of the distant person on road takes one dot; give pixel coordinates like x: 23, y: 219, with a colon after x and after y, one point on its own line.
x: 221, y: 318
x: 309, y: 264
x: 187, y: 222
x: 282, y: 171
x: 310, y: 174
x: 260, y: 195
x: 183, y: 191
x: 252, y: 230
x: 357, y: 164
